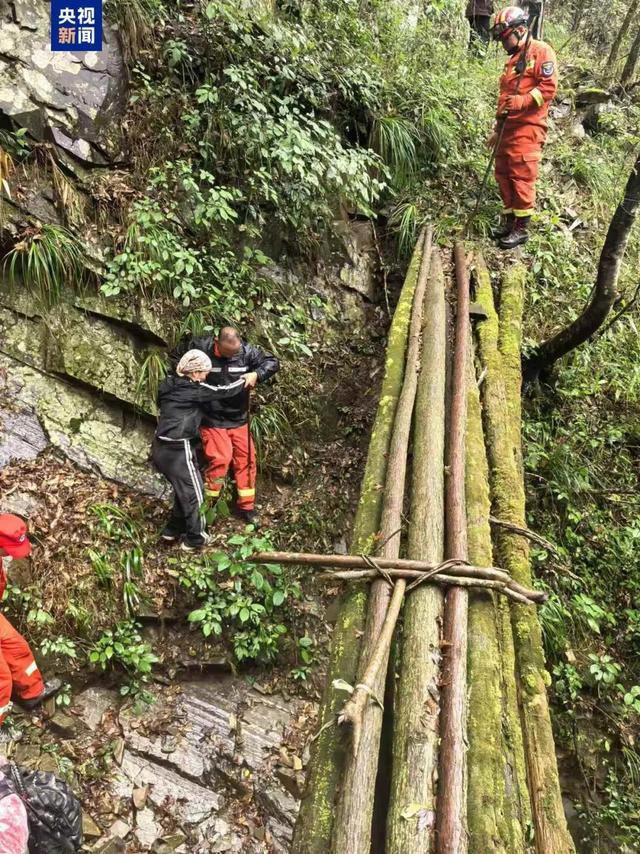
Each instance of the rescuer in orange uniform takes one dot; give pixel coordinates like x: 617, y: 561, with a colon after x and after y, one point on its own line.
x: 527, y: 86
x: 19, y: 673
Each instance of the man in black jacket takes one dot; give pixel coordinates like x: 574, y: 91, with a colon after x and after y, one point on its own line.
x: 181, y: 399
x: 225, y: 433
x: 479, y: 16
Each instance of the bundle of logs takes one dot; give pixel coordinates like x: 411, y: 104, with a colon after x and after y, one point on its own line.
x: 443, y: 742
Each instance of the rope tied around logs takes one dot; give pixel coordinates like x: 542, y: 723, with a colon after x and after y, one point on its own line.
x: 424, y: 576
x: 372, y: 564
x: 449, y: 573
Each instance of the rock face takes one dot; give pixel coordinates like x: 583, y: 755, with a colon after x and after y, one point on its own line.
x: 56, y: 368
x: 358, y: 271
x: 204, y: 754
x: 68, y: 99
x: 37, y: 410
x: 79, y: 339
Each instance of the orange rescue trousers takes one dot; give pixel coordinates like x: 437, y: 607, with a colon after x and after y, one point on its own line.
x: 222, y: 447
x: 516, y: 175
x: 19, y: 672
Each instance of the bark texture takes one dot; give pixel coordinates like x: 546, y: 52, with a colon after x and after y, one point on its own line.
x: 497, y: 802
x: 630, y: 66
x: 312, y: 834
x: 411, y: 817
x: 352, y: 830
x: 508, y: 500
x: 451, y: 813
x: 622, y: 32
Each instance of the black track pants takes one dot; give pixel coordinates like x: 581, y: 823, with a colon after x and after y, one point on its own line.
x: 177, y: 462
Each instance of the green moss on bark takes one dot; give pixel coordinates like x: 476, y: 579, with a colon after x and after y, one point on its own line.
x: 500, y: 355
x: 494, y: 805
x: 415, y: 736
x: 313, y: 829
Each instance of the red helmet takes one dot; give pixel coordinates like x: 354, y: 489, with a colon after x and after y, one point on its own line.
x: 504, y: 22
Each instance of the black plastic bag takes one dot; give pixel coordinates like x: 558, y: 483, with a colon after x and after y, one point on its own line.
x: 54, y: 812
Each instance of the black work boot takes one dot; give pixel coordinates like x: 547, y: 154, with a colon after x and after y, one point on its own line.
x: 519, y: 234
x: 248, y: 516
x: 51, y: 688
x: 507, y: 221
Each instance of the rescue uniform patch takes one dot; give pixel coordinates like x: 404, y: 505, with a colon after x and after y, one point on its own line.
x: 547, y: 68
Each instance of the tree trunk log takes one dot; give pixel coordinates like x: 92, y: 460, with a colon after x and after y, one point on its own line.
x: 629, y: 70
x: 508, y: 498
x: 604, y: 292
x: 451, y: 813
x: 415, y: 736
x: 314, y: 826
x: 441, y: 579
x: 350, y: 566
x: 622, y: 33
x: 498, y: 804
x: 352, y: 831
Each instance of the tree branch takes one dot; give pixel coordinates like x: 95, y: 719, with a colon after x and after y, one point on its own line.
x: 604, y: 293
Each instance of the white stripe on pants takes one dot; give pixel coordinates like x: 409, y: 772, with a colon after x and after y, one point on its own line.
x: 197, y: 482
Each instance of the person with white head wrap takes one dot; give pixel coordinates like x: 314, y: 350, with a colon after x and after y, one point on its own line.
x: 193, y: 362
x: 180, y: 398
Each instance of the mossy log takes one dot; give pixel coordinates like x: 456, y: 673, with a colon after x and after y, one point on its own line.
x: 354, y: 811
x: 498, y: 810
x: 410, y: 821
x: 499, y: 346
x: 312, y: 834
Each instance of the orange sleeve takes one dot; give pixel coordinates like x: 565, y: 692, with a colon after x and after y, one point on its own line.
x: 546, y: 72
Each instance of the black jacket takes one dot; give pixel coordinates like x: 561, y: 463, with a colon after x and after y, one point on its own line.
x: 479, y: 8
x: 230, y: 411
x: 180, y: 402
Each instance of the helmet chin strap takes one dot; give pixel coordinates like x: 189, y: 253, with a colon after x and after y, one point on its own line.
x: 518, y: 45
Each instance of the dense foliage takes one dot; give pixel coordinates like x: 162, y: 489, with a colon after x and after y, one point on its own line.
x: 250, y: 134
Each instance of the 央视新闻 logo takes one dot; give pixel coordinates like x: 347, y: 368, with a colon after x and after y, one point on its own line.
x: 76, y: 25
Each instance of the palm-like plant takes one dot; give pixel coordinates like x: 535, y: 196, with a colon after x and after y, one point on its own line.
x: 152, y: 371
x: 405, y: 219
x: 135, y: 20
x: 269, y: 424
x: 396, y: 139
x: 47, y: 260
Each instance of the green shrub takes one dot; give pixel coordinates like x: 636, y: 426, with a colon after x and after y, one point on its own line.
x: 241, y: 601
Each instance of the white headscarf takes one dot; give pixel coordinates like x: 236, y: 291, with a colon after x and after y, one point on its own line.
x: 192, y: 362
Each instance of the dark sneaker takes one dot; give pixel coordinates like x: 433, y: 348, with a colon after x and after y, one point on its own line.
x: 519, y: 234
x: 169, y: 536
x: 195, y: 545
x: 51, y: 688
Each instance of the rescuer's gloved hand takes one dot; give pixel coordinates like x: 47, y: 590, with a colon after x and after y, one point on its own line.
x: 515, y: 103
x: 250, y: 380
x: 491, y: 141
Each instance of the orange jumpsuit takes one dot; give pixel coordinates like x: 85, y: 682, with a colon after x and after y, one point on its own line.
x: 19, y: 672
x: 525, y: 130
x: 222, y: 447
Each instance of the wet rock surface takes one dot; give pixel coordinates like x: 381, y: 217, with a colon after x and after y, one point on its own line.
x: 72, y: 100
x: 198, y: 771
x: 104, y: 351
x: 38, y: 411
